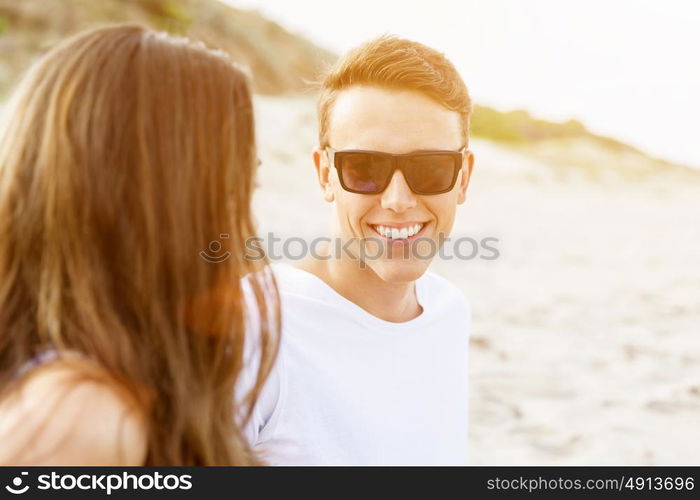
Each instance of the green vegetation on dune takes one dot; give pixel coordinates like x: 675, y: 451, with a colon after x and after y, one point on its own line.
x: 520, y: 126
x: 280, y: 61
x: 565, y: 143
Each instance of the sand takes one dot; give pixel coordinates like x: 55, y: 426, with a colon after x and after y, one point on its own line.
x: 585, y: 344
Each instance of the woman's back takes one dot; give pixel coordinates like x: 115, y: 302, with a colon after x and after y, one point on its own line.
x: 56, y: 420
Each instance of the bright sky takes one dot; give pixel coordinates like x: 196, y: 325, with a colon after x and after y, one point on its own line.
x: 627, y: 69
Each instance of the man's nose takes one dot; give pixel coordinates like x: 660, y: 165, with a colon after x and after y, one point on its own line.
x: 398, y: 196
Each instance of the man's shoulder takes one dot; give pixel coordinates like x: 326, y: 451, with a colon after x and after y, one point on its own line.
x: 435, y: 285
x: 450, y: 308
x: 288, y: 278
x: 295, y: 283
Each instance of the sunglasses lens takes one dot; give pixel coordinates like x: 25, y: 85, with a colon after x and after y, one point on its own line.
x: 364, y: 172
x: 428, y: 174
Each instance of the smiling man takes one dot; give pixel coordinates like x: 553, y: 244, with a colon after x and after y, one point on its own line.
x: 373, y: 362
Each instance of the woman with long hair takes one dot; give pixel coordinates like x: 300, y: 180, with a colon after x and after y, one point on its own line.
x: 124, y: 154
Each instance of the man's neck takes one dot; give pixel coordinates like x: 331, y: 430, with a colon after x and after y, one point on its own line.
x: 395, y: 302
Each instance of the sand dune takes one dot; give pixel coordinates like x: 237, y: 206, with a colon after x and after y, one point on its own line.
x: 586, y: 333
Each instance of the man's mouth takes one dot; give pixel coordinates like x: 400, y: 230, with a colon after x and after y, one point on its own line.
x: 398, y: 232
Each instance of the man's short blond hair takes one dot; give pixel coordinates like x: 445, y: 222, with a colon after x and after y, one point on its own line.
x: 395, y: 63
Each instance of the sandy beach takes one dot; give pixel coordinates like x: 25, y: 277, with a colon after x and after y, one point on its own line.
x: 585, y: 345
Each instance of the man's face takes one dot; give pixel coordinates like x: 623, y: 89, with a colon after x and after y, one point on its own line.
x: 393, y: 121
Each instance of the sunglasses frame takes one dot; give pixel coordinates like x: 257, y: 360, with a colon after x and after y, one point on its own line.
x: 398, y: 162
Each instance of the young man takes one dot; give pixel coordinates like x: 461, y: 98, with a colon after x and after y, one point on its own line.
x: 372, y: 368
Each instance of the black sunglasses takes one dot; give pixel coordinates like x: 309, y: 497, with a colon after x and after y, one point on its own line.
x: 370, y: 172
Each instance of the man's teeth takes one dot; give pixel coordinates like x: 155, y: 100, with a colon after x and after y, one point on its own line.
x: 396, y: 233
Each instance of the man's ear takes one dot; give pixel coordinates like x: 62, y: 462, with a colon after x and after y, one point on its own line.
x: 467, y: 167
x: 323, y: 173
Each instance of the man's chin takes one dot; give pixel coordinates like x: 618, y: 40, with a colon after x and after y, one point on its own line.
x: 399, y: 271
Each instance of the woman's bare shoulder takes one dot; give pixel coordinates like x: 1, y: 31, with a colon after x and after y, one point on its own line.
x: 61, y: 417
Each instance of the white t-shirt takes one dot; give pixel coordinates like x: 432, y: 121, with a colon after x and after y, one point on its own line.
x: 349, y: 388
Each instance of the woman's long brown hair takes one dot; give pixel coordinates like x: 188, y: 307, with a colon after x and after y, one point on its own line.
x: 125, y: 153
